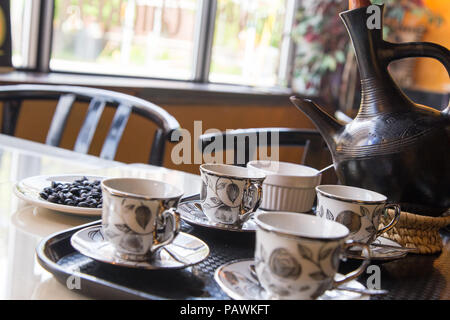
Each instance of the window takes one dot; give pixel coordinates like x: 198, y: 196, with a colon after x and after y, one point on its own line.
x: 149, y: 38
x: 243, y: 42
x: 24, y: 15
x: 247, y: 42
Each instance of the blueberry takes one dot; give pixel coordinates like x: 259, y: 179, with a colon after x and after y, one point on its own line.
x: 43, y: 195
x: 81, y: 192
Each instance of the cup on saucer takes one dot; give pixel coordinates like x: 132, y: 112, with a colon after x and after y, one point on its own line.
x: 139, y: 216
x: 230, y: 194
x: 297, y: 255
x: 356, y: 208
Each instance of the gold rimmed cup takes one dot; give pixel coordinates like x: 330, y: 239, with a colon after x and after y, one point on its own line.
x: 230, y: 194
x: 139, y: 216
x: 297, y: 255
x: 356, y: 208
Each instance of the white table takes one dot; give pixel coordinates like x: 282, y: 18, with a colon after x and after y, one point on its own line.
x: 23, y: 226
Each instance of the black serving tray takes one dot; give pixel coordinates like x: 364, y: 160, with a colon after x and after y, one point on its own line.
x: 104, y: 281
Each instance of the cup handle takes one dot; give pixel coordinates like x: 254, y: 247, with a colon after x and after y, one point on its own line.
x: 394, y: 221
x: 247, y: 210
x: 259, y: 192
x: 174, y: 218
x: 356, y: 273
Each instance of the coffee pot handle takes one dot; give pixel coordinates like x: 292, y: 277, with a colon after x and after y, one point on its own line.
x: 395, y: 51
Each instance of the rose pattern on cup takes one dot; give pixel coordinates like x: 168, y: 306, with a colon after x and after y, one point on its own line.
x: 356, y: 208
x: 350, y: 219
x: 297, y: 255
x: 361, y: 226
x: 283, y: 265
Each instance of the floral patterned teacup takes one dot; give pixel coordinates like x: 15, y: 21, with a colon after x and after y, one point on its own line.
x: 139, y: 216
x: 230, y: 194
x: 297, y: 255
x: 358, y: 209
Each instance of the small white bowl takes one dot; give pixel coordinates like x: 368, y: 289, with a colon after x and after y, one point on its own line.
x: 288, y: 186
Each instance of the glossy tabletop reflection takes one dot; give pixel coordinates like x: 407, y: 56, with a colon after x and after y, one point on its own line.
x: 23, y: 226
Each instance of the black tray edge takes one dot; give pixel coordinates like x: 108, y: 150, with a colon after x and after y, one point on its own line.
x: 89, y: 285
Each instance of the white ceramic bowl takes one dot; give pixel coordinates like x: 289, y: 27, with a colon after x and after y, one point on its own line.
x: 288, y: 186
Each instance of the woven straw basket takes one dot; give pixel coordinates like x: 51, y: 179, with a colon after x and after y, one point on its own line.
x: 417, y: 231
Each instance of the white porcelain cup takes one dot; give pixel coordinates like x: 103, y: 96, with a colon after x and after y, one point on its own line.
x: 139, y: 216
x: 297, y: 255
x: 288, y: 186
x: 356, y: 208
x: 230, y: 194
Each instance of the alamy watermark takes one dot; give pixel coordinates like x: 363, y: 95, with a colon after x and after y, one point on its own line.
x: 235, y: 145
x: 73, y: 282
x: 374, y: 20
x: 374, y: 280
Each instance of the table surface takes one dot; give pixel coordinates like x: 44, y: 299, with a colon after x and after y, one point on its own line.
x: 23, y: 226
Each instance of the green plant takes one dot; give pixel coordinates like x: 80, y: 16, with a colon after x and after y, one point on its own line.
x: 322, y: 41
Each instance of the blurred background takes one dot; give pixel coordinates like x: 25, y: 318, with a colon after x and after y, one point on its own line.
x: 230, y: 63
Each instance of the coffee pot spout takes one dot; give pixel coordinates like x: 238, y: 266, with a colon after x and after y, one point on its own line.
x: 325, y: 123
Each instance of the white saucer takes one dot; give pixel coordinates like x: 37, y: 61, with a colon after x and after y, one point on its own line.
x: 191, y: 212
x: 28, y: 190
x: 237, y: 282
x: 380, y: 253
x: 184, y: 251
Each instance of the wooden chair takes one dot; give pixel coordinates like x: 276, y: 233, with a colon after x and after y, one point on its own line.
x: 12, y: 97
x: 315, y: 152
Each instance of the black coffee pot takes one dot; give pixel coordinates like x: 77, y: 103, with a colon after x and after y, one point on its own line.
x: 393, y: 146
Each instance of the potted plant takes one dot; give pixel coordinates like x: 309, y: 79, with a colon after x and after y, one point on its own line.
x: 321, y: 46
x: 325, y: 67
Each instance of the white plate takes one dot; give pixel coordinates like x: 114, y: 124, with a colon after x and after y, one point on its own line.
x: 28, y: 190
x: 237, y: 282
x: 185, y: 250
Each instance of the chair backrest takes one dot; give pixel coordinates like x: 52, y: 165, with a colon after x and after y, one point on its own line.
x: 13, y: 95
x: 251, y: 139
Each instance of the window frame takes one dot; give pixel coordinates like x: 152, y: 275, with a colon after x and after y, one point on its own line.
x: 41, y: 36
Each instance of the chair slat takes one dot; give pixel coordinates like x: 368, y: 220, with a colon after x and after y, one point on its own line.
x: 59, y: 120
x: 13, y: 95
x: 118, y: 125
x: 158, y: 148
x: 311, y: 139
x: 11, y: 110
x: 89, y: 126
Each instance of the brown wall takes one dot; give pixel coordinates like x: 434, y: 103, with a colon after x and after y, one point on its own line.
x: 35, y: 118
